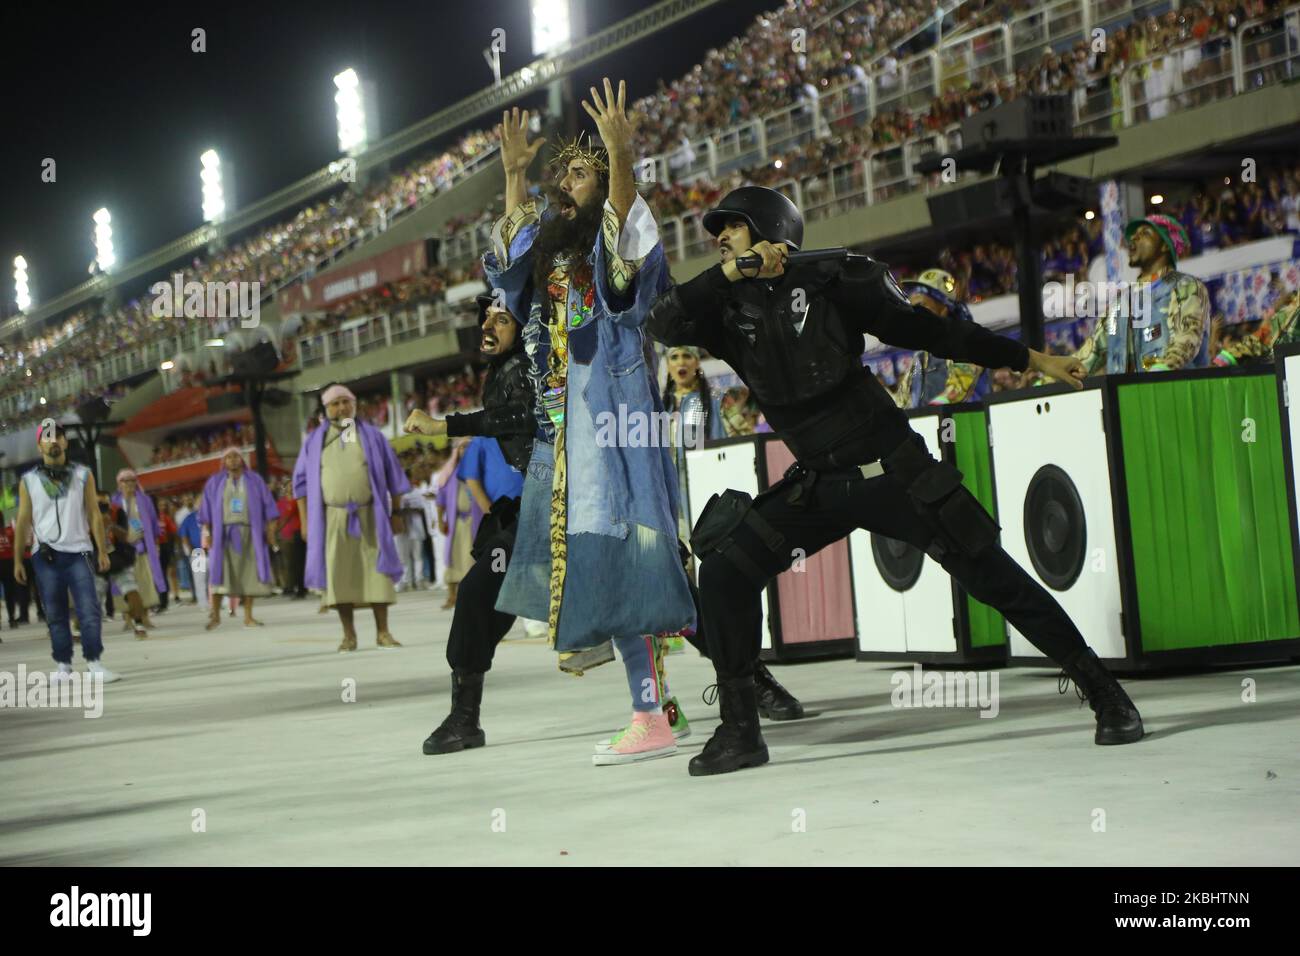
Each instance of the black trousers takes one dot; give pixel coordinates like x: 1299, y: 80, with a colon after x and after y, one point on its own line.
x: 731, y: 601
x: 165, y: 555
x: 477, y: 627
x: 27, y: 592
x: 11, y: 589
x: 297, y: 564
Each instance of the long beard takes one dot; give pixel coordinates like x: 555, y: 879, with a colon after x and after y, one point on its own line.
x: 562, y: 238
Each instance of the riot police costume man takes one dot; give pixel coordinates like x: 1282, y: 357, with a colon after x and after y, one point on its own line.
x: 795, y: 337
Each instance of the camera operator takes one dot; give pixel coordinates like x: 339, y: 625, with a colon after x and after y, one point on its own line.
x: 59, y: 502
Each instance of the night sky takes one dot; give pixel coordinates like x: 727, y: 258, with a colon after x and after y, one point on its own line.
x: 115, y: 96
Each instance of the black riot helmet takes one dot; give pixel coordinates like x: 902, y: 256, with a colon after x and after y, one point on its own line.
x: 767, y: 212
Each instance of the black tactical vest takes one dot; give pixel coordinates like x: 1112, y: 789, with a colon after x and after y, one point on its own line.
x: 507, y: 385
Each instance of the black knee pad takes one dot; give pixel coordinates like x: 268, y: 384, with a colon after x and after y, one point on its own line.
x: 731, y: 529
x: 935, y: 488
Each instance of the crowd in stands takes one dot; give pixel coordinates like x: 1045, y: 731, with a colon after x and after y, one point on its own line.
x: 753, y: 75
x: 761, y: 71
x: 844, y: 139
x: 427, y: 286
x: 194, y: 444
x: 272, y: 257
x: 1220, y: 213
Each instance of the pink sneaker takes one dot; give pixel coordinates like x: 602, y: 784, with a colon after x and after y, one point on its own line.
x: 647, y: 737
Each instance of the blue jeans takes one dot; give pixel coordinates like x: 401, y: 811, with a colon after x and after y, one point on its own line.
x: 69, y: 573
x: 184, y: 577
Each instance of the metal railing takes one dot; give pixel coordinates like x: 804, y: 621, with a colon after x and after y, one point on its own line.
x: 1260, y: 52
x: 378, y: 331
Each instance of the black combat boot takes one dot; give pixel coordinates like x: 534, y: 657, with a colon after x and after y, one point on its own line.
x: 1118, y: 721
x: 774, y: 701
x: 737, y: 742
x: 460, y: 731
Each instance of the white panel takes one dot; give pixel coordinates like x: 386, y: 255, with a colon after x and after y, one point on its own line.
x: 919, y: 619
x: 1291, y: 375
x: 928, y: 605
x: 878, y: 608
x: 711, y: 471
x: 1066, y: 431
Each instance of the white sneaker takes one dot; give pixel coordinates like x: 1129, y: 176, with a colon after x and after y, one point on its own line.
x: 62, y: 675
x: 95, y: 667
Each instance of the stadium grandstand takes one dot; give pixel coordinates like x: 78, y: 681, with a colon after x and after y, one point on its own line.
x: 366, y: 270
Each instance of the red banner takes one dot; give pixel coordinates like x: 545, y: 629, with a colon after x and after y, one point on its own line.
x: 338, y: 285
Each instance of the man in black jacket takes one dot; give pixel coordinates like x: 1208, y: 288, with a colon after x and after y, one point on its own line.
x: 477, y: 627
x: 796, y: 339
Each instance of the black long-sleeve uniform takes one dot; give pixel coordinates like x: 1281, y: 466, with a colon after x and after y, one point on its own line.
x: 477, y: 627
x: 797, y: 342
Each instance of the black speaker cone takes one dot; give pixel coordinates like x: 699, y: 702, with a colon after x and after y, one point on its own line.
x: 898, y: 562
x: 1056, y: 528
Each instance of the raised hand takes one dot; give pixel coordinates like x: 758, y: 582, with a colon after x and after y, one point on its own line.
x: 612, y: 121
x: 516, y: 152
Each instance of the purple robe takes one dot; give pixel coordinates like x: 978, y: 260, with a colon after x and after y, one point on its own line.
x: 261, y: 510
x: 447, y: 498
x: 149, y: 543
x: 386, y: 480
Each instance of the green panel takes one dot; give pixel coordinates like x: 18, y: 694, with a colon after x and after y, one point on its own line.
x: 1208, y: 511
x: 971, y: 434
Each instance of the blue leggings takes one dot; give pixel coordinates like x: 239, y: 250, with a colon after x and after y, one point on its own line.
x: 638, y: 655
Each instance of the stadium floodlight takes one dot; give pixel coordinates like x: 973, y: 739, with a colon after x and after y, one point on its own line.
x: 104, y: 257
x: 22, y: 294
x: 550, y: 23
x: 42, y: 399
x: 1157, y: 199
x: 214, y: 195
x: 1090, y: 215
x: 351, y: 112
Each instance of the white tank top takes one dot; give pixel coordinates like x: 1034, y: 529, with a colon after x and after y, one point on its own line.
x: 60, y: 522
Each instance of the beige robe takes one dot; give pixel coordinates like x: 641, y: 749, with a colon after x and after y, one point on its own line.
x: 239, y: 570
x: 143, y: 572
x: 350, y: 563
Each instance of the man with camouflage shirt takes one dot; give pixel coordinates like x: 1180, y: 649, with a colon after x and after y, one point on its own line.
x: 1177, y: 332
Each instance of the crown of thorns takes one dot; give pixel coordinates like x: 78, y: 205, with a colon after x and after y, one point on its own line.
x: 594, y: 157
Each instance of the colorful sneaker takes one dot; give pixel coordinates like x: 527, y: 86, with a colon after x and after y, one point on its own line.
x: 647, y: 737
x: 677, y: 722
x: 675, y: 644
x: 677, y: 718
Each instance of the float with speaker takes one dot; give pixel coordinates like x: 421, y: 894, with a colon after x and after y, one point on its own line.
x: 906, y: 605
x: 1155, y: 509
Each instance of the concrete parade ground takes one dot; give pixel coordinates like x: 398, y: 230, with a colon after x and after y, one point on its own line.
x: 264, y: 746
